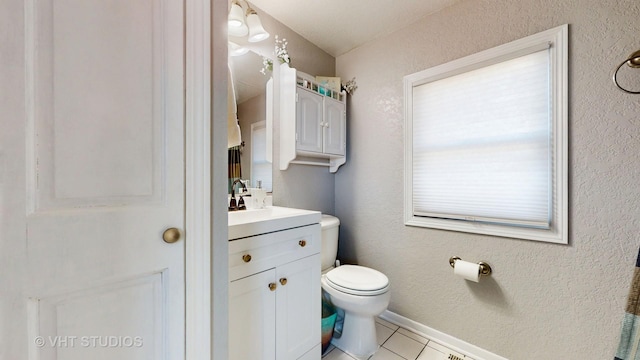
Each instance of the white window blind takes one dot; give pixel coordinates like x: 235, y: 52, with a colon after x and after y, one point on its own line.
x: 481, y: 144
x: 486, y: 141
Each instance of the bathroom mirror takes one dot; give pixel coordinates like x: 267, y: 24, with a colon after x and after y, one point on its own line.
x: 249, y: 85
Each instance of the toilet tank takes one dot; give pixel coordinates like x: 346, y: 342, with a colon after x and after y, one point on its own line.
x: 330, y: 229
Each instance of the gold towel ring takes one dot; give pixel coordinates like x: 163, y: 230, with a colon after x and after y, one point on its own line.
x: 632, y: 61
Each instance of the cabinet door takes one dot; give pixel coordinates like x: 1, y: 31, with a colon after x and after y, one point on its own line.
x: 335, y: 131
x: 252, y: 317
x: 309, y: 121
x: 298, y: 308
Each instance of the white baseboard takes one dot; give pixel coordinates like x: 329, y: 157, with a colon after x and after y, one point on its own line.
x: 447, y: 340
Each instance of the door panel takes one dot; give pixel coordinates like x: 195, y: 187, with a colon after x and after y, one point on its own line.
x: 98, y: 115
x: 309, y: 121
x: 335, y: 135
x: 114, y: 308
x: 105, y: 147
x: 252, y: 317
x: 298, y: 307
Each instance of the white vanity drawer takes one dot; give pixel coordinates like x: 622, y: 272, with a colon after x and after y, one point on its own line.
x: 261, y: 252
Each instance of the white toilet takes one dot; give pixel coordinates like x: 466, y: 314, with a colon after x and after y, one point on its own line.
x: 362, y: 292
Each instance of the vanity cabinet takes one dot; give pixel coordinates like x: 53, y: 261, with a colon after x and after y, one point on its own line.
x: 313, y: 122
x: 274, y: 295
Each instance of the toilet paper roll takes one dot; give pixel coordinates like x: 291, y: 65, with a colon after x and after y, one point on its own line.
x: 468, y: 270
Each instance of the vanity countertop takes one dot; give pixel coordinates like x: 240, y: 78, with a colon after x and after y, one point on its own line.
x: 251, y: 222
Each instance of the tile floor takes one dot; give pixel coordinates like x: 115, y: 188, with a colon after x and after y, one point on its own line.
x: 397, y: 343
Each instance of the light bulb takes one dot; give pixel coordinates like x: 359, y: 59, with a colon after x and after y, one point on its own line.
x: 236, y: 21
x: 256, y: 31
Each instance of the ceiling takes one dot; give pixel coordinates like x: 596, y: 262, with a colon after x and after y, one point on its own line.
x: 335, y: 26
x: 248, y: 82
x: 338, y: 26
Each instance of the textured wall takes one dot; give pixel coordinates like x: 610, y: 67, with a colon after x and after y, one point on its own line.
x: 544, y: 301
x: 301, y: 186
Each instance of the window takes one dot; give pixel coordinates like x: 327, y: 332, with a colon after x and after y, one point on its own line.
x: 486, y: 141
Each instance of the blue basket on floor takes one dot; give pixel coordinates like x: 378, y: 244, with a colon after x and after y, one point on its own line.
x: 328, y: 322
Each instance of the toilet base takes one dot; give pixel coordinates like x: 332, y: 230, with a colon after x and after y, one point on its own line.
x: 358, y: 336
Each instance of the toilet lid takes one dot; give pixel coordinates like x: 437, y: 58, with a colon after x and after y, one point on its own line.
x: 358, y: 280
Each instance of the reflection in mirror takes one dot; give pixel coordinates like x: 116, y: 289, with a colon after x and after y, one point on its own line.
x: 249, y: 160
x: 260, y: 166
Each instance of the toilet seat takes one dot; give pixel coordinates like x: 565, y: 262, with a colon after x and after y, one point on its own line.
x: 358, y: 280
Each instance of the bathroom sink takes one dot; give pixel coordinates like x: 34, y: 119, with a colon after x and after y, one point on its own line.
x: 272, y: 218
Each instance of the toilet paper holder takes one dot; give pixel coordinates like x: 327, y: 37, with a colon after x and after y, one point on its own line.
x: 485, y: 269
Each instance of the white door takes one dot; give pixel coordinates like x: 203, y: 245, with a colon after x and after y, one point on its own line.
x: 104, y: 102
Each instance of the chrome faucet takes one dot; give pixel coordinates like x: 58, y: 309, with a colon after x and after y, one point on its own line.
x: 232, y: 204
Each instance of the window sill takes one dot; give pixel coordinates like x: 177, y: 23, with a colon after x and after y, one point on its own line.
x: 552, y: 235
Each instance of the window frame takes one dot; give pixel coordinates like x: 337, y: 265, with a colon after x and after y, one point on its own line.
x: 557, y: 41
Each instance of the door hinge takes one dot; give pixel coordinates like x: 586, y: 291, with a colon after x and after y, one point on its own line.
x: 296, y: 97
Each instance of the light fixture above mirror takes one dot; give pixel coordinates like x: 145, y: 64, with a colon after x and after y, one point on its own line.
x: 237, y: 24
x: 257, y: 33
x: 243, y: 23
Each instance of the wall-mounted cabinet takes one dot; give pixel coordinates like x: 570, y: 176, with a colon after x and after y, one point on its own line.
x: 313, y: 122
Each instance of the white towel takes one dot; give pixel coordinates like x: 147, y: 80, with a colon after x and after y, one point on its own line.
x: 234, y: 137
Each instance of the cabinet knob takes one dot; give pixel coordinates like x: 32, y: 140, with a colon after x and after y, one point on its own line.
x: 283, y: 281
x: 302, y: 243
x: 272, y: 286
x: 246, y: 258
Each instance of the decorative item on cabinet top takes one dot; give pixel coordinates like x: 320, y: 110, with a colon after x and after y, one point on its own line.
x: 313, y: 121
x: 329, y: 86
x: 322, y: 85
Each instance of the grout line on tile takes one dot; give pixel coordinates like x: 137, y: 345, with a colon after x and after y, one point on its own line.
x: 408, y: 341
x: 433, y: 345
x: 414, y: 336
x: 390, y: 336
x: 391, y: 351
x: 386, y: 323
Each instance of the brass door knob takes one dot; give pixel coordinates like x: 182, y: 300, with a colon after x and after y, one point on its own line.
x: 302, y: 243
x: 171, y: 235
x: 283, y: 281
x: 272, y: 286
x: 246, y: 258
